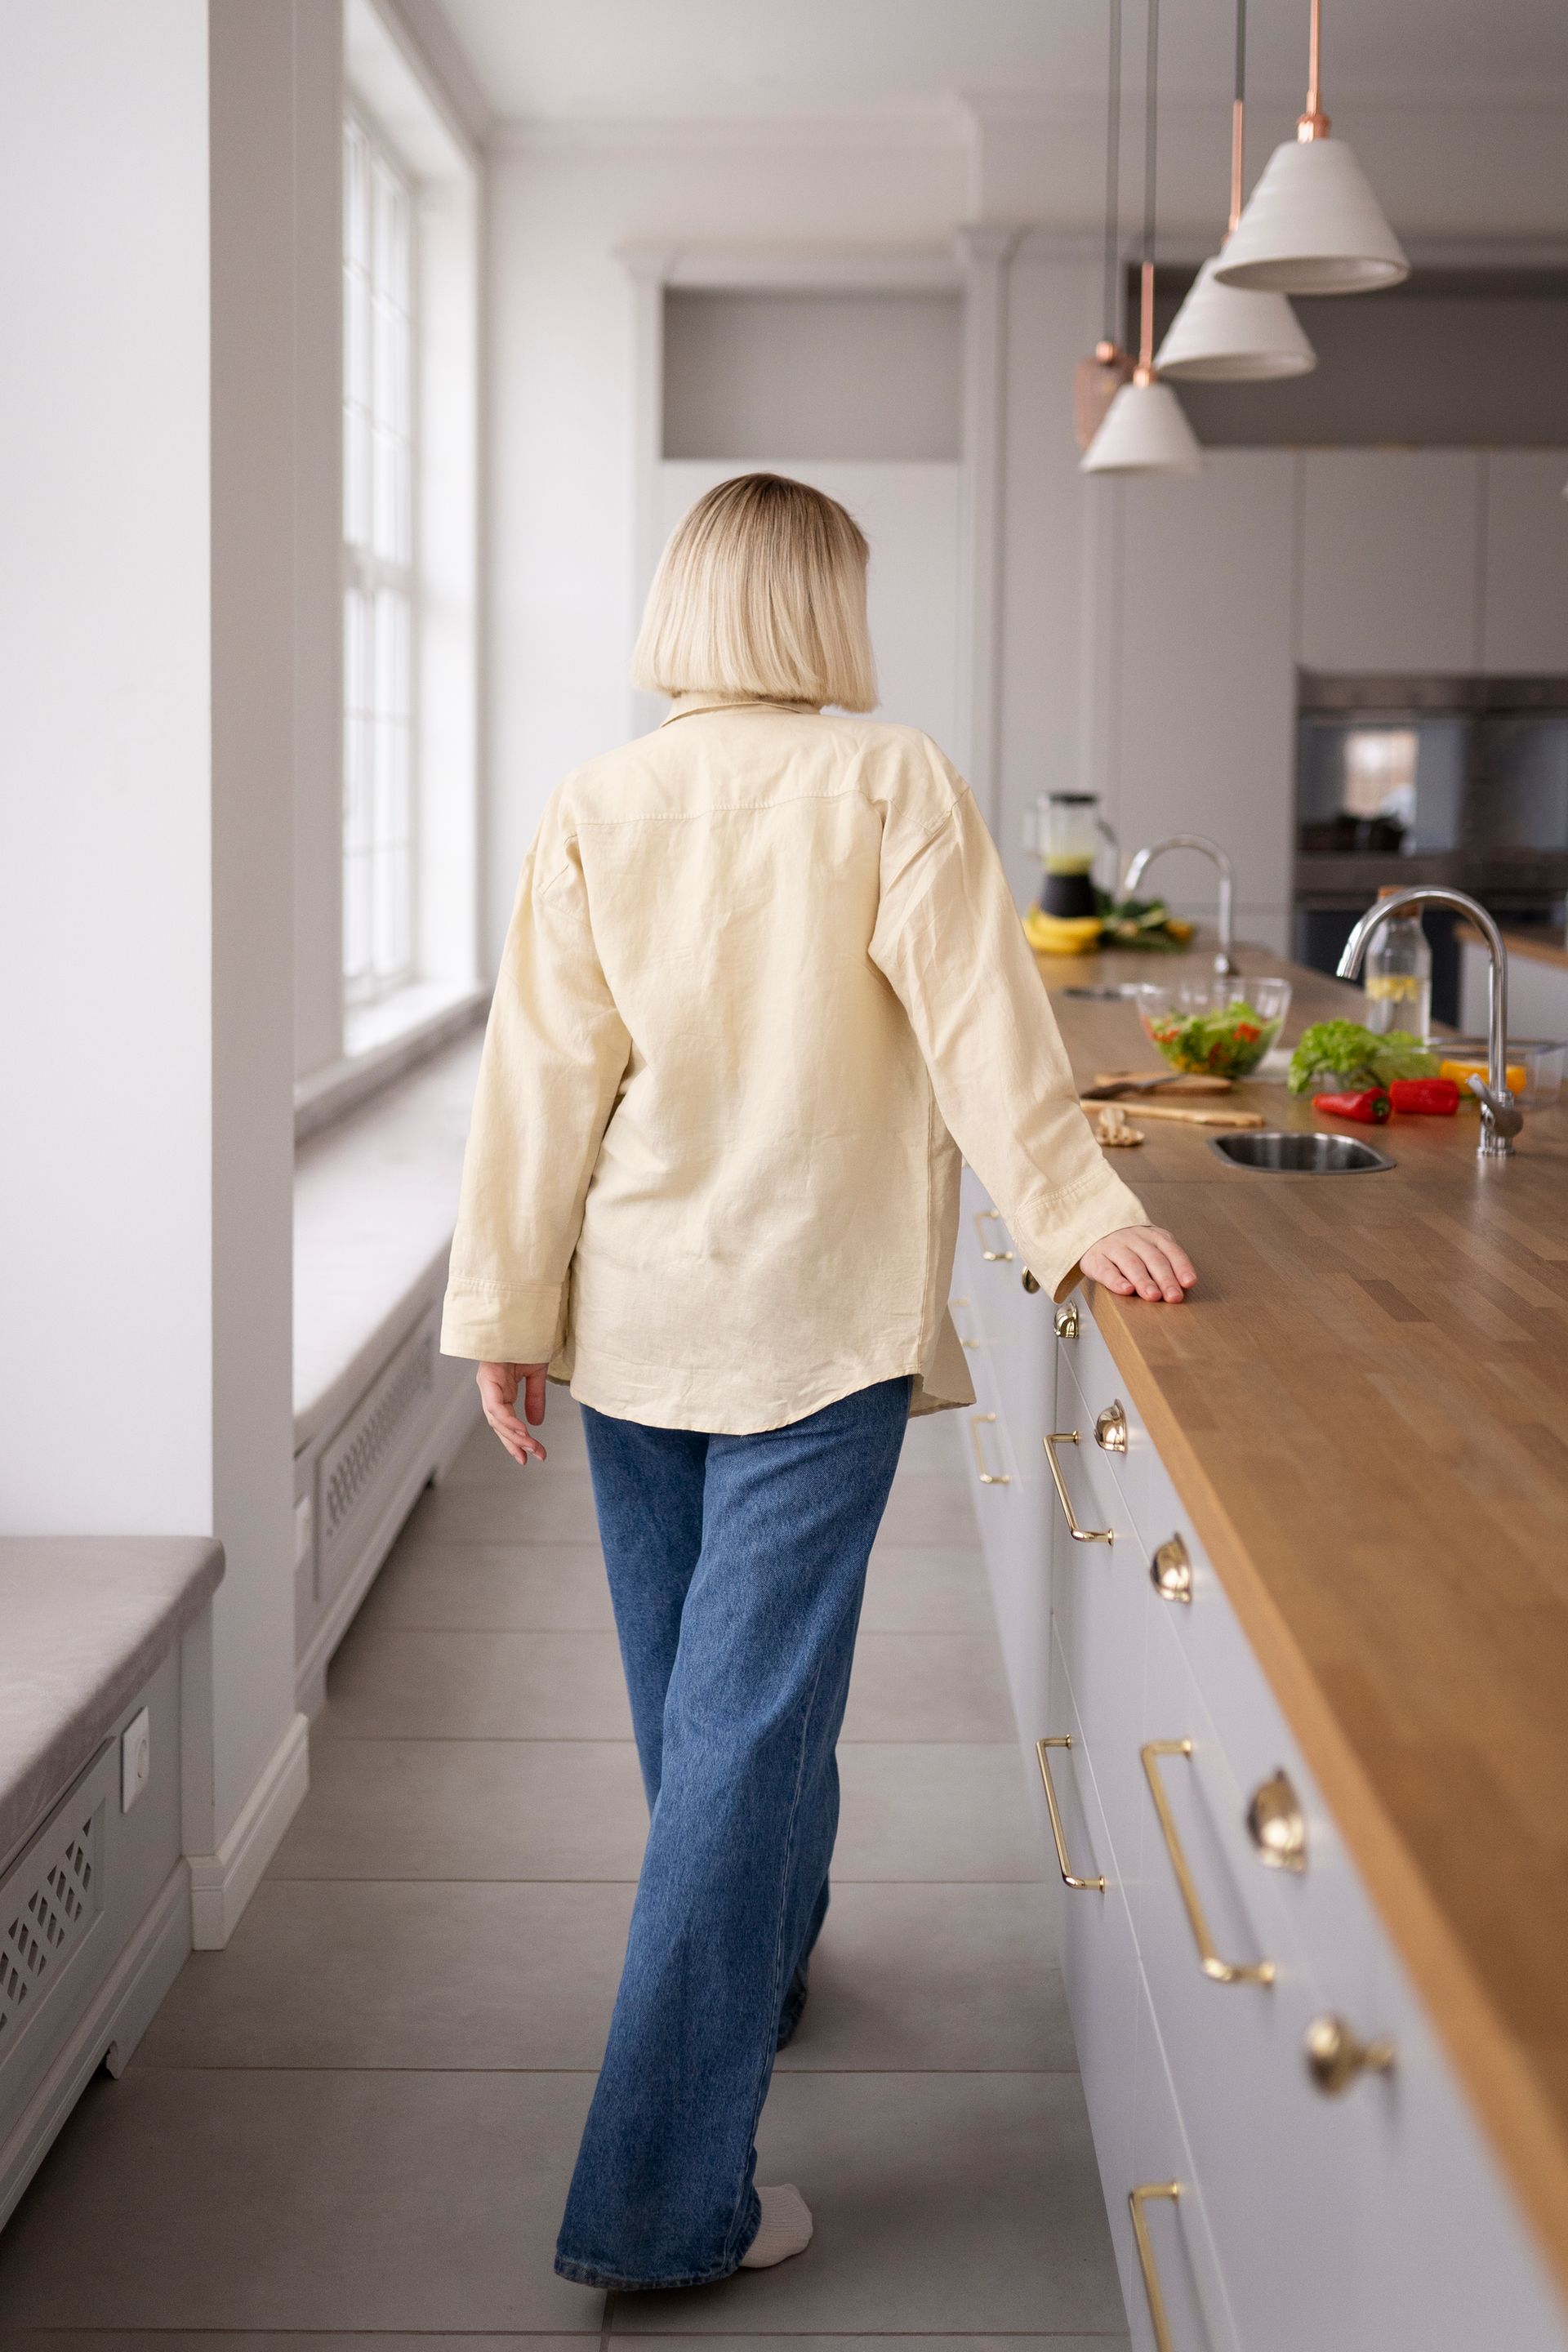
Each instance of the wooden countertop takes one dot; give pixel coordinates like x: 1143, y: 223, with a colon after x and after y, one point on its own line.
x: 1538, y: 945
x: 1365, y: 1407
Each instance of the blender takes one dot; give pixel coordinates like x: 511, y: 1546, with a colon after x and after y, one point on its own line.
x: 1065, y: 830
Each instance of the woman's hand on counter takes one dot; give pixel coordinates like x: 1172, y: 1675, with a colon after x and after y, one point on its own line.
x: 499, y: 1385
x: 1145, y: 1261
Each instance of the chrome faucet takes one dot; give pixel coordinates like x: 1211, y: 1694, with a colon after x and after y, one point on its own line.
x: 1501, y: 1118
x: 1224, y: 963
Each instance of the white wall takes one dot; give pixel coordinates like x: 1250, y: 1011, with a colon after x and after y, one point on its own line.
x: 105, y: 933
x: 855, y: 372
x: 561, y: 387
x: 149, y: 718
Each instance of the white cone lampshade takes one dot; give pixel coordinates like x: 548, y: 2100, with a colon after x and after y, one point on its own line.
x: 1312, y: 226
x: 1145, y: 431
x: 1222, y: 335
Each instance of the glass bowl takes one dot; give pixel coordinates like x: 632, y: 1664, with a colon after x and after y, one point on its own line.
x: 1222, y: 1028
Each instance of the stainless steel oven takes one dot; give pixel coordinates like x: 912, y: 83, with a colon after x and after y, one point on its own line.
x: 1462, y: 781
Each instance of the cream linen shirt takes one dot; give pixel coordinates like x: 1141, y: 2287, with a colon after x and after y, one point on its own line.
x: 764, y: 983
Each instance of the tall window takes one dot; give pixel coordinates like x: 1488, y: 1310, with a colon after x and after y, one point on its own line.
x: 380, y: 609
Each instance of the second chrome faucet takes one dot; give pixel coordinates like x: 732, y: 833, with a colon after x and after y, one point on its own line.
x: 1224, y: 962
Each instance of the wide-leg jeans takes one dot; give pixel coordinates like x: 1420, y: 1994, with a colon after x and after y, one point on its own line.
x: 737, y: 1567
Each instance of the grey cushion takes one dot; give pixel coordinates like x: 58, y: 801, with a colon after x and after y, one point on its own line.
x: 84, y: 1620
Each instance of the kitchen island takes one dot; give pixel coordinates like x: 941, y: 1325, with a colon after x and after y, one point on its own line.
x: 1356, y: 1433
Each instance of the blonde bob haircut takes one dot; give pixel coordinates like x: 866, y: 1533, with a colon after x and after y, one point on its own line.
x: 761, y: 594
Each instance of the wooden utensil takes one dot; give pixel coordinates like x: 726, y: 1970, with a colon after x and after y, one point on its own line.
x: 1109, y: 1084
x: 1201, y: 1114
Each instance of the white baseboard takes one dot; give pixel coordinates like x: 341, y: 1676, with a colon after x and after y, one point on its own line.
x: 109, y: 2029
x: 222, y: 1884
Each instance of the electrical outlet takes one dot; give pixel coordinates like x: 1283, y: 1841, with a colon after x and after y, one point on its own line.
x: 304, y: 1530
x: 135, y: 1759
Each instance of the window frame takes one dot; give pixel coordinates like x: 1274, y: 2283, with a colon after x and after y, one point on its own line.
x: 371, y: 576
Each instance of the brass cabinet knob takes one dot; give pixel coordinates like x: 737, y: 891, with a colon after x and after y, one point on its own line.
x: 1170, y: 1570
x: 1030, y: 1284
x: 1278, y: 1825
x: 1335, y: 2059
x: 1111, y: 1429
x: 1066, y: 1320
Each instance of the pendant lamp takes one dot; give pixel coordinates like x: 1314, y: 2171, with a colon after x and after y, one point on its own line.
x: 1225, y: 334
x: 1313, y: 225
x: 1144, y: 430
x: 1098, y: 378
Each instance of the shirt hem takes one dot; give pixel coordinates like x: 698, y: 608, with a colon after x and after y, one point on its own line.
x: 603, y: 1396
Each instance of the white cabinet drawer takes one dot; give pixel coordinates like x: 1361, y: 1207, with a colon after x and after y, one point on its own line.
x: 1447, y: 2260
x: 1327, y: 1914
x: 1174, y: 2261
x: 1098, y: 1598
x: 1283, y: 2168
x: 1100, y: 1964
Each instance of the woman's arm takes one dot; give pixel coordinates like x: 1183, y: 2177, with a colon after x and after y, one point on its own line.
x: 949, y: 942
x: 555, y: 1053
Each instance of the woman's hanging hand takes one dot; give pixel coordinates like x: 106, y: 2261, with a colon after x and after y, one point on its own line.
x: 1141, y: 1260
x: 499, y: 1385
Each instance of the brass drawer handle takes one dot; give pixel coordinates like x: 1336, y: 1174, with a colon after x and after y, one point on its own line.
x: 987, y: 1477
x: 1079, y: 1535
x: 1170, y: 1570
x: 1259, y: 1972
x: 992, y: 1257
x: 961, y: 1340
x: 1277, y: 1826
x: 1136, y: 2201
x: 1111, y: 1429
x: 1335, y: 2059
x: 1065, y: 1322
x: 1030, y: 1284
x: 1060, y: 1740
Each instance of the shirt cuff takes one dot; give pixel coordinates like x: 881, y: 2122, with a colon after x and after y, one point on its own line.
x: 522, y: 1326
x: 1105, y: 1208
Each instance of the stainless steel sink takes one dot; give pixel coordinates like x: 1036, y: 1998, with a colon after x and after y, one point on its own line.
x: 1302, y: 1155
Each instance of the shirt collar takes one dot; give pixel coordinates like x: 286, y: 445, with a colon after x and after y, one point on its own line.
x: 683, y: 705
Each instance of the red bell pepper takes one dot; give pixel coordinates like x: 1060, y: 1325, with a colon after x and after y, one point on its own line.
x: 1368, y: 1106
x: 1434, y: 1097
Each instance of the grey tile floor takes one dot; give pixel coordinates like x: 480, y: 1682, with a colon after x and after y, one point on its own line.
x: 355, y: 2126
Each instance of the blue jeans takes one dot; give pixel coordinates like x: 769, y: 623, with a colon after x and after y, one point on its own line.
x: 737, y: 1565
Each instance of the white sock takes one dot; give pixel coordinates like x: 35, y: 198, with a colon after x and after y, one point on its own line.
x: 786, y: 2230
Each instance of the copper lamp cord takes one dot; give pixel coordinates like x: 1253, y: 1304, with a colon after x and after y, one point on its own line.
x: 1314, y: 123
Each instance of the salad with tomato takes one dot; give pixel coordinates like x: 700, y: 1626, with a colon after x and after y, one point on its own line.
x: 1220, y: 1040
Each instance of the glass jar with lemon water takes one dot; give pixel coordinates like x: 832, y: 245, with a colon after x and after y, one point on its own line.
x: 1398, y: 974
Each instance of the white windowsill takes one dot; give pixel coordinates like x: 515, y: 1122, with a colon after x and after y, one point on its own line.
x: 380, y: 1043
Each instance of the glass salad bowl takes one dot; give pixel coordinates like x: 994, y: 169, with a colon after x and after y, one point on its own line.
x: 1221, y: 1028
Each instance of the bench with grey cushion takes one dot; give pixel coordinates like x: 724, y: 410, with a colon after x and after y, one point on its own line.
x: 95, y: 1917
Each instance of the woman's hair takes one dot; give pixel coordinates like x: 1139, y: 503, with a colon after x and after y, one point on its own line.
x: 761, y: 591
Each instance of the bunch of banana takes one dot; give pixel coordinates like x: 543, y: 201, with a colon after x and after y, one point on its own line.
x: 1063, y: 934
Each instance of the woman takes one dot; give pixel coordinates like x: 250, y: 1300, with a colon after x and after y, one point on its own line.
x: 764, y: 983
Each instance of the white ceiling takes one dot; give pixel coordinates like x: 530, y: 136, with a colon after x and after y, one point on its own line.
x: 912, y: 59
